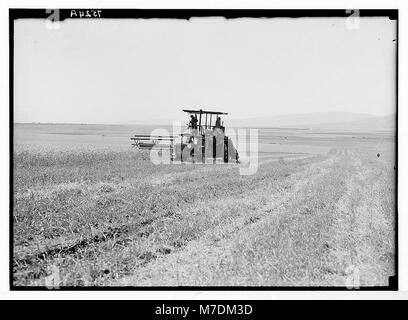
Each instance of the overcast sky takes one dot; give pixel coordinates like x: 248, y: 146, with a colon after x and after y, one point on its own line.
x: 112, y: 71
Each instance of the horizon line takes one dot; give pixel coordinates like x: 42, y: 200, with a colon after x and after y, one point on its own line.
x: 152, y: 121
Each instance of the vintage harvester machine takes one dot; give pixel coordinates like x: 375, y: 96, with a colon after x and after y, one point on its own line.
x: 203, y: 139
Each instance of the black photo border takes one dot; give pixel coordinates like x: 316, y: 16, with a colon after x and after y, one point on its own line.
x: 17, y: 13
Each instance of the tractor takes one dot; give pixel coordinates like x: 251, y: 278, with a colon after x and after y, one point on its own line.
x: 203, y: 140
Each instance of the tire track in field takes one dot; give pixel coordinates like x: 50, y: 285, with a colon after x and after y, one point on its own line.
x: 358, y: 204
x: 33, y: 255
x: 212, y: 244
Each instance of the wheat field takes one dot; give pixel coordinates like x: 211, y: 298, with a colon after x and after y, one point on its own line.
x: 319, y: 211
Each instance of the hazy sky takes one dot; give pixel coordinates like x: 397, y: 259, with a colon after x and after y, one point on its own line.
x: 110, y: 71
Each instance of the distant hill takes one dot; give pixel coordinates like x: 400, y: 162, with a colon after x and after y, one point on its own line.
x: 385, y: 123
x: 323, y: 120
x: 315, y: 120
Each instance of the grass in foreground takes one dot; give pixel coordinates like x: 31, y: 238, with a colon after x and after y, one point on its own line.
x: 116, y: 219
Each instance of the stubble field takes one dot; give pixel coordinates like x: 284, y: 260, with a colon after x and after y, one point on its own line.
x: 90, y: 211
